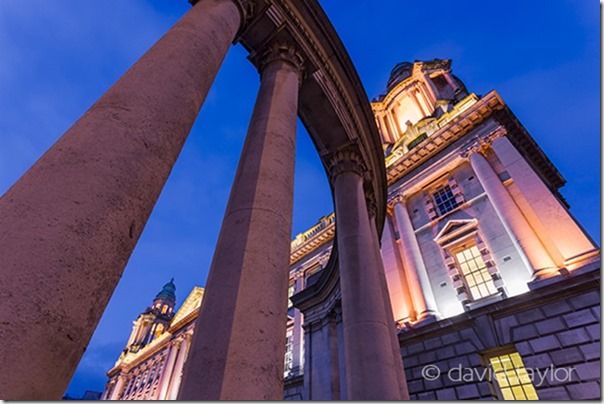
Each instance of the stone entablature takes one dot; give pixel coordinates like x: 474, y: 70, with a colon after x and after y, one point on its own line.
x: 306, y: 242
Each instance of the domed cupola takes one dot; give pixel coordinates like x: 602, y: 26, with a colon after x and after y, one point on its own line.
x: 155, y: 320
x: 399, y: 73
x: 167, y: 295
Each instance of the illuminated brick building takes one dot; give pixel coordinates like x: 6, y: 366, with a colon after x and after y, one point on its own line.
x: 485, y: 266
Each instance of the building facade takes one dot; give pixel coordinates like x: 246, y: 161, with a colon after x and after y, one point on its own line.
x: 485, y: 267
x: 150, y: 366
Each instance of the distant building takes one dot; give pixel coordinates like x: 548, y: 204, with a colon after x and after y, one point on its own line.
x: 485, y: 266
x: 150, y: 367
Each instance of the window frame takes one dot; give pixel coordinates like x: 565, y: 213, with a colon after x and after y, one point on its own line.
x: 461, y: 247
x: 494, y: 381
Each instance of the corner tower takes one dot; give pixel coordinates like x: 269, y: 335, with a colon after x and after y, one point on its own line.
x: 156, y: 318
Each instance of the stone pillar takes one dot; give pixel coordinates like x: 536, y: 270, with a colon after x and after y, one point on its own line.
x: 402, y: 305
x: 117, y: 389
x: 176, y: 378
x: 321, y: 376
x: 372, y: 369
x: 394, y: 342
x: 563, y: 238
x: 413, y: 262
x: 238, y: 344
x: 70, y: 223
x: 298, y: 336
x: 166, y: 375
x: 528, y: 245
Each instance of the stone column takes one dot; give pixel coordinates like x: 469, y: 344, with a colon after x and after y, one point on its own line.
x: 413, y: 262
x: 166, y: 374
x: 563, y: 238
x: 529, y: 247
x: 117, y: 389
x: 298, y: 336
x: 372, y: 369
x: 238, y: 344
x: 176, y: 378
x: 70, y: 223
x: 394, y: 342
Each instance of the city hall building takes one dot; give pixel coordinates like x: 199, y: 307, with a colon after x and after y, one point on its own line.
x: 485, y: 267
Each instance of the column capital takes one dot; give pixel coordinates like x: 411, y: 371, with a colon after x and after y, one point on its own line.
x: 278, y: 51
x: 481, y: 144
x: 397, y: 199
x: 247, y: 9
x: 345, y: 160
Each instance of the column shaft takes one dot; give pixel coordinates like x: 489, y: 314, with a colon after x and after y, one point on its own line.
x: 415, y: 269
x: 117, y: 389
x: 239, y: 341
x: 176, y: 378
x: 371, y: 365
x: 520, y: 232
x: 69, y: 224
x: 166, y: 375
x: 563, y: 238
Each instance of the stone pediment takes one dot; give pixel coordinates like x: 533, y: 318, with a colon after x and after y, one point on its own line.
x: 454, y: 229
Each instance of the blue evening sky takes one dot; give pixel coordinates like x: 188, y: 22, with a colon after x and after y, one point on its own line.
x: 57, y: 57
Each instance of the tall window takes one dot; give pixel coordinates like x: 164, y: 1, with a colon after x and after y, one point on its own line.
x: 444, y: 199
x: 512, y: 378
x: 290, y: 292
x: 475, y: 273
x: 289, y: 351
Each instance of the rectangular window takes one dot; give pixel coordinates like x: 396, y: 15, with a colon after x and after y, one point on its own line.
x: 444, y: 199
x: 475, y: 273
x: 512, y: 378
x: 289, y: 351
x: 290, y: 292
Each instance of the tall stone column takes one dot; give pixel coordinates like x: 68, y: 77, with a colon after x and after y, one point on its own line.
x: 117, y: 389
x: 527, y: 243
x: 413, y: 262
x: 298, y: 333
x: 69, y: 224
x: 372, y: 369
x: 166, y: 375
x: 563, y: 238
x: 176, y: 378
x: 239, y: 340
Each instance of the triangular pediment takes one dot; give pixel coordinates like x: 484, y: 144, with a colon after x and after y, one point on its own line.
x: 455, y: 228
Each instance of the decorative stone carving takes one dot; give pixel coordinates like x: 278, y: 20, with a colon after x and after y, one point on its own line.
x: 346, y: 160
x: 247, y: 9
x: 482, y: 144
x: 278, y: 51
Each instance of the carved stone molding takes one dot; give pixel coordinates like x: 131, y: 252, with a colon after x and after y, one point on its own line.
x: 482, y: 144
x: 346, y: 160
x: 396, y: 199
x: 246, y: 9
x: 278, y: 51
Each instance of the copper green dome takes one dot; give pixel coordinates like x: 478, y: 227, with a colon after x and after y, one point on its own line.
x: 168, y: 292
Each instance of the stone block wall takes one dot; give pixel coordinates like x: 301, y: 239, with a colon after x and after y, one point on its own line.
x: 554, y: 327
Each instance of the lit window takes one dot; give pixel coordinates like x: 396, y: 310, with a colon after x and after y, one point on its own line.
x: 164, y: 309
x: 512, y: 378
x: 475, y: 273
x: 289, y: 351
x: 444, y: 199
x: 159, y: 330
